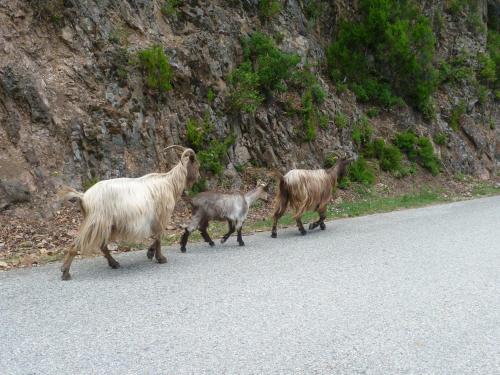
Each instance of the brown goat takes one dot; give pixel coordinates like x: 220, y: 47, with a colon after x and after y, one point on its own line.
x: 304, y: 190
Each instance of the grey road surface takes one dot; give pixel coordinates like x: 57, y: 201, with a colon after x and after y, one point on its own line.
x: 409, y: 292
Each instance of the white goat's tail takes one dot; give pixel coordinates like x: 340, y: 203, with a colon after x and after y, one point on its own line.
x: 93, y: 234
x: 67, y: 193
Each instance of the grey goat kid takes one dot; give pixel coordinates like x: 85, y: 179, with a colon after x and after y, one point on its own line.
x: 216, y: 206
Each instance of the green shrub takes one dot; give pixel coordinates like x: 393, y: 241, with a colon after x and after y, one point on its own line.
x: 441, y: 138
x: 324, y: 121
x: 389, y: 156
x: 169, y: 7
x: 210, y: 95
x: 156, y: 67
x: 198, y: 187
x: 407, y: 142
x: 494, y: 54
x: 405, y: 171
x: 341, y: 120
x: 344, y: 183
x: 318, y: 94
x: 209, y: 149
x: 427, y: 157
x: 360, y: 171
x: 362, y: 132
x: 245, y: 95
x: 88, y: 183
x: 456, y: 114
x: 330, y: 161
x: 269, y: 8
x: 373, y: 112
x: 386, y: 54
x: 418, y: 149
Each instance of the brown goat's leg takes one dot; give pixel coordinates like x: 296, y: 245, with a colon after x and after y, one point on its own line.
x: 68, y: 258
x: 322, y: 216
x: 159, y: 257
x: 151, y: 251
x: 301, y: 226
x: 111, y: 261
x: 228, y: 234
x: 277, y: 215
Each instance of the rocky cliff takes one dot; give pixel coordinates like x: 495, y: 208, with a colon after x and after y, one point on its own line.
x: 75, y: 108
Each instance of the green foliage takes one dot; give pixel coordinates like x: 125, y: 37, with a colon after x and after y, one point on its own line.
x: 156, y: 68
x: 313, y: 9
x: 387, y: 54
x: 210, y: 95
x: 265, y: 71
x: 48, y: 11
x: 269, y: 8
x: 406, y: 170
x: 360, y: 171
x: 362, y: 132
x: 341, y: 120
x: 456, y: 114
x: 210, y: 150
x: 373, y: 112
x: 418, y: 149
x: 494, y: 55
x: 389, y: 156
x: 245, y: 95
x: 88, y: 183
x: 198, y: 187
x: 407, y: 142
x: 330, y: 161
x: 169, y: 7
x: 324, y: 121
x: 426, y: 156
x: 441, y: 138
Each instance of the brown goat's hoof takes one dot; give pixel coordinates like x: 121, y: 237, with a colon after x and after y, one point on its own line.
x: 65, y: 276
x: 162, y: 260
x: 151, y: 252
x: 183, y: 249
x: 274, y: 235
x: 114, y: 265
x: 311, y: 226
x: 241, y: 243
x: 211, y: 243
x: 322, y: 226
x: 303, y: 232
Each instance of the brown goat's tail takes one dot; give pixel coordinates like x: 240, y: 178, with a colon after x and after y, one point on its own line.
x: 281, y: 199
x: 68, y: 193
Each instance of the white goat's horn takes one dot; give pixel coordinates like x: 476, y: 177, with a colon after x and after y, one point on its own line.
x: 182, y: 148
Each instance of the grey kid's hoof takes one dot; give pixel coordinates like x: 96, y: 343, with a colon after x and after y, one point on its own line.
x: 322, y: 226
x: 211, y: 243
x: 183, y: 249
x: 241, y: 243
x: 274, y: 235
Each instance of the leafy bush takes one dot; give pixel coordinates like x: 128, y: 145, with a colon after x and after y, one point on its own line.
x: 362, y: 132
x: 389, y: 156
x: 267, y: 70
x: 494, y: 54
x: 341, y: 120
x: 418, y: 149
x: 269, y: 8
x: 210, y: 150
x: 198, y: 187
x: 330, y: 161
x: 441, y: 138
x: 169, y: 7
x: 360, y: 171
x: 210, y: 95
x: 324, y: 121
x: 456, y: 114
x: 386, y: 54
x: 407, y: 142
x: 427, y: 157
x: 156, y: 67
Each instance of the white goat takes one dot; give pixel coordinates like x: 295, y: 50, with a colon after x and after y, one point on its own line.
x: 129, y: 209
x: 216, y: 206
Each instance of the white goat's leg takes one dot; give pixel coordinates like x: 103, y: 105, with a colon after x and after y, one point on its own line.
x: 68, y: 258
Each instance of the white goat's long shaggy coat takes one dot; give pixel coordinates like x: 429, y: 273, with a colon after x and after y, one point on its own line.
x: 130, y: 209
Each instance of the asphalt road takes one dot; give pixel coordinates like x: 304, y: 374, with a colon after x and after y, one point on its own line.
x: 409, y: 292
